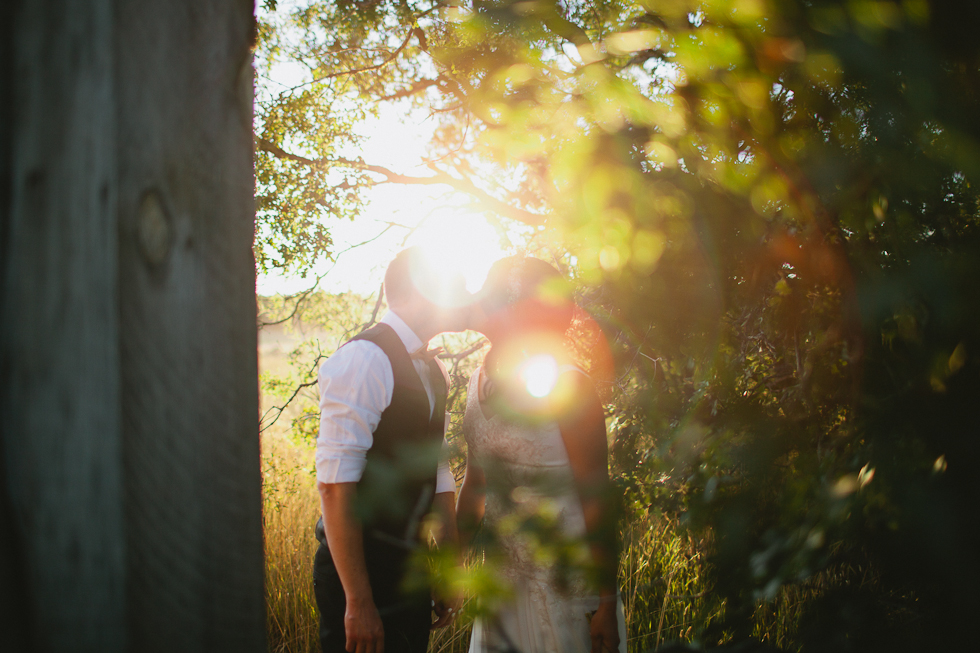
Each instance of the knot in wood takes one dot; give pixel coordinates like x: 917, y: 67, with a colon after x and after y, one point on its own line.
x: 154, y: 233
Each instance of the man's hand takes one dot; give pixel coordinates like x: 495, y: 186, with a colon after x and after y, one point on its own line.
x: 604, y: 630
x: 445, y: 609
x: 365, y: 632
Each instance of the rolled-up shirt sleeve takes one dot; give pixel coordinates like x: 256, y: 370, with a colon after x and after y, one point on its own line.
x: 356, y: 385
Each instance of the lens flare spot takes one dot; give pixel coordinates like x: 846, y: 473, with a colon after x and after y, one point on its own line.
x: 458, y: 244
x: 539, y: 374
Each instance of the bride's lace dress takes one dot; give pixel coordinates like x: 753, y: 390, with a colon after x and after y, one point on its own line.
x: 528, y: 474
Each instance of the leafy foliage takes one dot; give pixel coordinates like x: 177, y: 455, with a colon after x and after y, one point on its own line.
x: 772, y: 206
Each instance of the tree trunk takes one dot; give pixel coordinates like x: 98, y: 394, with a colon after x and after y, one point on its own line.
x: 130, y: 504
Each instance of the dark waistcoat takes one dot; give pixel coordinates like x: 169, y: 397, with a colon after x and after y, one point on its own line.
x: 399, y: 480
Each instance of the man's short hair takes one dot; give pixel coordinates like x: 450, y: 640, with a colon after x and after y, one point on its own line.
x: 399, y: 284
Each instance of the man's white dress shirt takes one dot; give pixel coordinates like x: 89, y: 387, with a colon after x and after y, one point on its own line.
x: 356, y: 385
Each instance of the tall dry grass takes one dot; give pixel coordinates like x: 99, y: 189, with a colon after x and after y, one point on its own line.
x: 666, y: 592
x: 661, y: 571
x: 291, y: 505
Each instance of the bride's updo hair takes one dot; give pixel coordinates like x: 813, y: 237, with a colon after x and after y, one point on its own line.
x: 528, y: 294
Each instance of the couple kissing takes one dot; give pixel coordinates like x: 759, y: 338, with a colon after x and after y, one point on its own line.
x: 535, y: 430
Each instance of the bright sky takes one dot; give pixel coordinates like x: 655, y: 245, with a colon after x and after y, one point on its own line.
x: 436, y: 218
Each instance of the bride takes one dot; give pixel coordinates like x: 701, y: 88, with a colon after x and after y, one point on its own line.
x: 536, y: 475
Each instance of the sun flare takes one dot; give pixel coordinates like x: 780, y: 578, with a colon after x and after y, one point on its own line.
x: 539, y: 374
x: 459, y: 242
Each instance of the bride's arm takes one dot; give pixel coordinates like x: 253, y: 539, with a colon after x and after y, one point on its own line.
x: 470, y: 503
x: 583, y: 430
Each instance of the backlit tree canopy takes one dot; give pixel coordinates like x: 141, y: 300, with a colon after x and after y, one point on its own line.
x: 772, y: 207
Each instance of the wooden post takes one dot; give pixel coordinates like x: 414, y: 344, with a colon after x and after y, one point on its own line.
x: 130, y: 505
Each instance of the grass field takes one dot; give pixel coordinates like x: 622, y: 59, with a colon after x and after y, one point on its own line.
x: 661, y: 575
x: 663, y: 570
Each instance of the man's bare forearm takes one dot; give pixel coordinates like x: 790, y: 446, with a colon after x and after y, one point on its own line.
x: 345, y: 538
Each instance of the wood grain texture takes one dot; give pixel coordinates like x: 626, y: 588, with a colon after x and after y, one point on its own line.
x: 191, y: 448
x: 58, y: 326
x: 130, y: 496
x: 14, y: 594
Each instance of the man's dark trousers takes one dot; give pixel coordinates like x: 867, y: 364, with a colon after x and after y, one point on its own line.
x: 406, y: 619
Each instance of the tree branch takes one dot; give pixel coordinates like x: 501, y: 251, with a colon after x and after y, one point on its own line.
x: 300, y: 298
x: 365, y: 69
x: 304, y: 295
x: 417, y: 87
x: 440, y: 178
x: 377, y: 308
x: 466, y: 352
x: 281, y: 409
x: 391, y: 57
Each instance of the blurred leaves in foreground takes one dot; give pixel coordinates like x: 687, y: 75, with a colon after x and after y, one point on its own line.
x: 771, y: 207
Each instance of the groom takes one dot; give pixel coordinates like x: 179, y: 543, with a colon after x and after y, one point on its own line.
x: 382, y: 421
